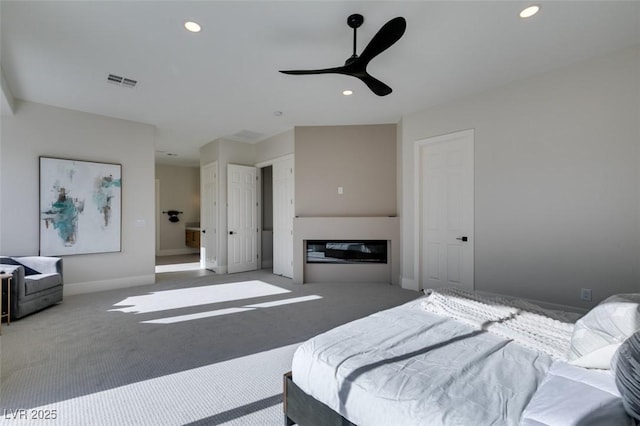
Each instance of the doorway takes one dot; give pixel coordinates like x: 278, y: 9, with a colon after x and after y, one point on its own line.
x: 177, y: 217
x: 267, y: 218
x: 278, y: 211
x: 209, y: 216
x: 273, y: 206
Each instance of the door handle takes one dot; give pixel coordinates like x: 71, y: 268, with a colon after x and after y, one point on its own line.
x: 462, y: 238
x: 204, y: 231
x: 231, y: 232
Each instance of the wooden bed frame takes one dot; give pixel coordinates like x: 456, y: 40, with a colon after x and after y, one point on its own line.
x: 304, y: 410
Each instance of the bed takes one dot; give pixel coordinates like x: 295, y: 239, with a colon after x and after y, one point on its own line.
x: 459, y: 358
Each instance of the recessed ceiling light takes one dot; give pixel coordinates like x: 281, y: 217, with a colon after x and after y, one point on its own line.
x: 347, y: 92
x: 530, y: 11
x: 192, y: 26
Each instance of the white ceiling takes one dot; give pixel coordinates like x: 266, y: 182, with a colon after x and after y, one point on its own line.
x: 224, y: 81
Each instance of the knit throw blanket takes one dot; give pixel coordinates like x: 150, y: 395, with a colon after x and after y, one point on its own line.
x: 517, y: 320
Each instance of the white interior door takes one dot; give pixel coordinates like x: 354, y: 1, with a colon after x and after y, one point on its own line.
x: 209, y: 216
x: 446, y: 211
x: 242, y: 218
x: 283, y: 213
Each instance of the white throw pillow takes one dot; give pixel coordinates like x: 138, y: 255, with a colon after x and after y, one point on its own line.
x: 570, y: 395
x: 600, y: 358
x: 597, y: 334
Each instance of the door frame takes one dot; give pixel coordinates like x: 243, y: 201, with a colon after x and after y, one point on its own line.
x: 216, y: 213
x: 260, y: 166
x: 157, y: 218
x: 417, y: 196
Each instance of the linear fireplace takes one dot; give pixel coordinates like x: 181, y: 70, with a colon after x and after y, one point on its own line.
x: 325, y: 249
x: 346, y: 251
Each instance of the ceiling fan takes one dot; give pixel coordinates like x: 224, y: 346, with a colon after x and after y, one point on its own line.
x: 356, y: 66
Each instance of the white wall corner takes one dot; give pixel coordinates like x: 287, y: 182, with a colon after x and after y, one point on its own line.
x: 104, y: 285
x: 7, y: 101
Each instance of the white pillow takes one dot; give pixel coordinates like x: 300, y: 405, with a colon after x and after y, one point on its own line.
x: 600, y: 358
x: 597, y: 335
x: 570, y: 395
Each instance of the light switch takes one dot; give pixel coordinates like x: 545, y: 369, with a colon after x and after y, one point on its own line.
x: 340, y: 190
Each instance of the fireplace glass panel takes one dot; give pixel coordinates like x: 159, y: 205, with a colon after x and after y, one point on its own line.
x: 342, y: 251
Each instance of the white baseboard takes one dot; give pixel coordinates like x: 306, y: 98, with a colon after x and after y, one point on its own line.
x: 177, y: 252
x: 103, y: 285
x: 545, y: 305
x: 410, y: 284
x: 557, y: 306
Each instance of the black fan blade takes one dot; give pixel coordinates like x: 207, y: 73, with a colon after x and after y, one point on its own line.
x: 376, y: 86
x: 356, y: 66
x: 384, y: 39
x: 336, y: 70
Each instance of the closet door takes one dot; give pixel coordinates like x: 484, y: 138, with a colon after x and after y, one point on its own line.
x: 446, y: 210
x: 242, y: 218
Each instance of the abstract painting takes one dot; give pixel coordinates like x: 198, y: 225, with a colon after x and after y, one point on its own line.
x: 80, y: 207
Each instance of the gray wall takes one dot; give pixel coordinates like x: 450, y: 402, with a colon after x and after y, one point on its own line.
x: 39, y: 130
x: 361, y: 159
x: 557, y: 159
x: 179, y: 190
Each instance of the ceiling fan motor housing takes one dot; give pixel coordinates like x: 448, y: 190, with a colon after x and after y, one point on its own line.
x: 354, y: 21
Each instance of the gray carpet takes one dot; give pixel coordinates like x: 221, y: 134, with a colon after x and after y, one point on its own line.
x: 191, y: 349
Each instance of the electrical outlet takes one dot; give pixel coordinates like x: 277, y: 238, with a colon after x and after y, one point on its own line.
x: 585, y: 294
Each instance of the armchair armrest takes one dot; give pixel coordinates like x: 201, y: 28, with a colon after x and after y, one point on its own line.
x: 18, y: 278
x: 11, y: 270
x: 9, y: 266
x: 42, y: 264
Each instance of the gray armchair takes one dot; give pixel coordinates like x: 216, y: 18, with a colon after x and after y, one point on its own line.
x: 36, y: 284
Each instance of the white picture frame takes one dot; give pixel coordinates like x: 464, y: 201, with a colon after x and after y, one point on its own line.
x: 80, y: 207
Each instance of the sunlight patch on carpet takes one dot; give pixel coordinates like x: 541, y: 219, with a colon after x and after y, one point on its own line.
x: 240, y: 391
x: 196, y: 296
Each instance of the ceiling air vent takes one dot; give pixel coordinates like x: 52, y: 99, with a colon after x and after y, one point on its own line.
x: 246, y: 136
x: 121, y: 81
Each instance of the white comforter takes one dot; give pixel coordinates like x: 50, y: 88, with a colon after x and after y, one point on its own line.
x: 405, y: 366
